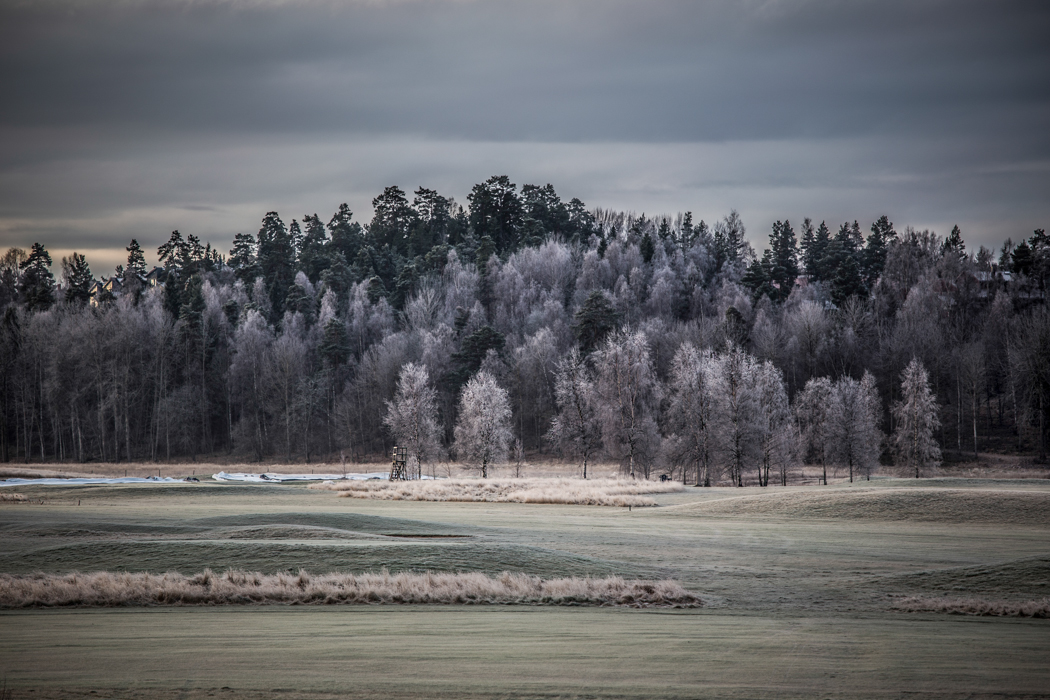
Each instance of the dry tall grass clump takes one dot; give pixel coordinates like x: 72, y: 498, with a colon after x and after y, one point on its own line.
x: 598, y: 492
x: 108, y: 589
x: 12, y: 497
x: 976, y: 606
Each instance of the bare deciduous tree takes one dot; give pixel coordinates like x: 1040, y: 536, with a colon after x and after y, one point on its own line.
x: 773, y: 423
x: 694, y: 377
x: 737, y: 412
x: 813, y: 409
x: 855, y: 439
x: 628, y: 399
x: 413, y: 416
x: 483, y: 433
x: 575, y: 429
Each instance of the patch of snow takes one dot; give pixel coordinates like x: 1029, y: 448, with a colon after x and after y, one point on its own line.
x: 270, y: 477
x: 81, y: 481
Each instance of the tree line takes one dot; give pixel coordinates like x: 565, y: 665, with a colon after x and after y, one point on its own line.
x: 297, y: 345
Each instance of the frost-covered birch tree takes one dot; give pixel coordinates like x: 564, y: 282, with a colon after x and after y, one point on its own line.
x: 854, y: 435
x: 695, y: 375
x: 773, y: 423
x: 483, y: 433
x: 628, y: 395
x: 737, y: 412
x: 813, y: 409
x: 916, y: 420
x: 575, y: 429
x: 413, y: 415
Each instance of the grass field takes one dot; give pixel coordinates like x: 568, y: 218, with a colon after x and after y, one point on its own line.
x: 800, y: 587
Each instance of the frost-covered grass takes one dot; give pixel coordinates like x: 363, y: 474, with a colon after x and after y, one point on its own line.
x: 114, y: 589
x: 597, y: 492
x: 907, y: 503
x: 976, y: 606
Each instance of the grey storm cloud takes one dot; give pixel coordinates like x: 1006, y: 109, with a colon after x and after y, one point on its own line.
x: 120, y: 116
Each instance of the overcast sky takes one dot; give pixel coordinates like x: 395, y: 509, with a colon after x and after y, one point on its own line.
x: 131, y: 119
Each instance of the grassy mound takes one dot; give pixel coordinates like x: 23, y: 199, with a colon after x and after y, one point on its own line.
x: 188, y: 556
x: 107, y: 589
x: 1018, y: 579
x: 891, y: 504
x: 598, y: 492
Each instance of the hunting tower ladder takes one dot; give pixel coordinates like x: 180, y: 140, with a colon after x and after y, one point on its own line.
x: 398, y: 470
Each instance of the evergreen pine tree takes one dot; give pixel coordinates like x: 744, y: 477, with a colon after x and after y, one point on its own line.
x: 174, y: 255
x: 758, y: 277
x: 875, y: 253
x: 347, y: 235
x: 335, y: 346
x: 78, y: 280
x: 806, y: 245
x: 647, y: 247
x: 595, y: 319
x: 842, y: 264
x: 314, y: 254
x: 393, y: 220
x: 954, y: 244
x: 136, y: 260
x: 496, y: 211
x: 243, y: 260
x: 1022, y: 259
x: 816, y: 255
x: 783, y: 269
x: 36, y: 286
x: 276, y: 259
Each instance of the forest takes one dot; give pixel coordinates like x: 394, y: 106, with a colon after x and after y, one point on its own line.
x: 666, y: 344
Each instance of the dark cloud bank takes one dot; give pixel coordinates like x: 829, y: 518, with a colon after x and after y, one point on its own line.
x: 125, y: 119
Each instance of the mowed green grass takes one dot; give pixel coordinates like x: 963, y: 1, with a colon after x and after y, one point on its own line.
x: 432, y: 652
x: 799, y: 588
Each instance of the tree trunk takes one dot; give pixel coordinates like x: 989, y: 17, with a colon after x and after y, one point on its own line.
x: 975, y: 423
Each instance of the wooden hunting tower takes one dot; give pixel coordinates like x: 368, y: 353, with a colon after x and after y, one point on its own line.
x: 398, y: 470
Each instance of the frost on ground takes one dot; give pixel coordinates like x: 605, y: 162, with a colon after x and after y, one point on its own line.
x: 599, y: 492
x: 976, y: 606
x: 109, y: 589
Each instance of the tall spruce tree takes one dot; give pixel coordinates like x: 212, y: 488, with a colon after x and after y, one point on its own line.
x: 243, y: 258
x: 882, y: 234
x: 784, y: 259
x: 136, y: 260
x: 36, y: 285
x: 314, y: 254
x: 816, y: 252
x: 276, y: 259
x: 77, y: 279
x: 596, y: 319
x: 347, y: 235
